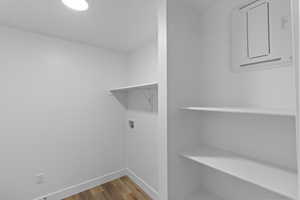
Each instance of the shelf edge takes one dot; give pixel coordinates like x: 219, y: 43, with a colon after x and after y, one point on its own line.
x: 244, y: 110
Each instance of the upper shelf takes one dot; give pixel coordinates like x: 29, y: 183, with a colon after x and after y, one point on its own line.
x: 246, y: 110
x: 134, y: 87
x: 274, y: 179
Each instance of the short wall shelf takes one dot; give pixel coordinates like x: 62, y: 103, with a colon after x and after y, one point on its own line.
x: 149, y: 92
x: 282, y: 182
x: 134, y: 87
x: 245, y: 110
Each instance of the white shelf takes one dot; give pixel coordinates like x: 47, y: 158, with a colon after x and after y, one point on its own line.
x: 274, y: 179
x: 245, y: 110
x: 134, y: 87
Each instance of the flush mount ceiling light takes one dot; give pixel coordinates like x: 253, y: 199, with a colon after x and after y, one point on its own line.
x: 78, y: 5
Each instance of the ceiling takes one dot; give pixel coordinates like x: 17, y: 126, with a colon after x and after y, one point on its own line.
x: 116, y: 24
x: 200, y: 5
x: 122, y: 25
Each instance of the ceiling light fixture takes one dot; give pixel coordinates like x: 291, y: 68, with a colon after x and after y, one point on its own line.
x: 78, y: 5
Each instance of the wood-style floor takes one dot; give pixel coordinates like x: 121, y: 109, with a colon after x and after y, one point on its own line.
x: 119, y: 189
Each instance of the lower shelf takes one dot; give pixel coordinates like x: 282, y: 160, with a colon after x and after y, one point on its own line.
x: 274, y: 179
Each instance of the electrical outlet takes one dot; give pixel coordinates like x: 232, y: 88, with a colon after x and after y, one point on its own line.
x: 40, y: 179
x: 284, y: 22
x: 131, y: 123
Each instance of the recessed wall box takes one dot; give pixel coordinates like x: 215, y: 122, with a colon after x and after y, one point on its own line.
x: 261, y: 35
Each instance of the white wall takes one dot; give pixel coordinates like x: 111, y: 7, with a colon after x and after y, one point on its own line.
x: 142, y: 142
x: 57, y: 116
x: 199, y: 73
x: 142, y: 64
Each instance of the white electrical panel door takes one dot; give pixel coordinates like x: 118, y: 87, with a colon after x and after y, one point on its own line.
x: 258, y: 31
x: 261, y: 34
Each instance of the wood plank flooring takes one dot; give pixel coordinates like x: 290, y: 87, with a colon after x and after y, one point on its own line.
x: 119, y: 189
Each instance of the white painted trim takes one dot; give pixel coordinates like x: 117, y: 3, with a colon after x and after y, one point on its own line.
x: 295, y: 7
x: 140, y: 182
x: 86, y: 185
x: 162, y: 100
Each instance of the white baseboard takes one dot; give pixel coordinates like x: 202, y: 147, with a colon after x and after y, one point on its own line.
x: 140, y: 182
x: 75, y: 189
